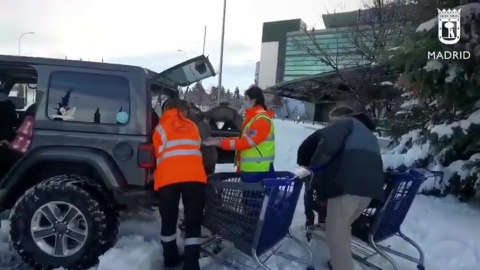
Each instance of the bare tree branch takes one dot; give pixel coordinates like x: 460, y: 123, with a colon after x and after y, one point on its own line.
x: 362, y: 45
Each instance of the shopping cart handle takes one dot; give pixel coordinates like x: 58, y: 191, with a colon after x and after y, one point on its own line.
x: 316, y: 169
x: 437, y: 173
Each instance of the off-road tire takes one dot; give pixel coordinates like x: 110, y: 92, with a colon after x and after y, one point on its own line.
x: 73, y: 191
x: 104, y: 198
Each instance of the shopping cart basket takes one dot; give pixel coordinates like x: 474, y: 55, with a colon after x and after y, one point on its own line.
x: 381, y: 221
x: 254, y: 217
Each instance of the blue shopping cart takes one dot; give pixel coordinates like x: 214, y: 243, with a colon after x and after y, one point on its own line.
x: 381, y: 221
x: 254, y: 217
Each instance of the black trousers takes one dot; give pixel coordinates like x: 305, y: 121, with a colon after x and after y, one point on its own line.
x: 193, y: 198
x: 7, y: 159
x: 307, y: 201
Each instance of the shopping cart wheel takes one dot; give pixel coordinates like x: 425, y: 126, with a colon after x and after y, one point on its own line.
x: 216, y: 249
x: 310, y: 268
x: 309, y: 236
x: 420, y: 267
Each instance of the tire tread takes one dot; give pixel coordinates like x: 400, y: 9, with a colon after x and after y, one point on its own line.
x: 103, y: 230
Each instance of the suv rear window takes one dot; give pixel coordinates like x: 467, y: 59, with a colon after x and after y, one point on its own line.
x: 89, y: 98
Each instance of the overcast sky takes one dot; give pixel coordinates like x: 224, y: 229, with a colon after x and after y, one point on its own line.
x: 150, y: 32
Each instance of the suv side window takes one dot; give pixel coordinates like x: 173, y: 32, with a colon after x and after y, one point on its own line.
x: 88, y: 98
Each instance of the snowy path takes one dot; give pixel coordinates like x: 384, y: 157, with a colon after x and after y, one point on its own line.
x: 446, y: 229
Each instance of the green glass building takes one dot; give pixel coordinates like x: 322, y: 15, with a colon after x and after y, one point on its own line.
x: 305, y: 54
x: 288, y: 52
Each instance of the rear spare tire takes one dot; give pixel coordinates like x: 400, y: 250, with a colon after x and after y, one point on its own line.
x: 57, y: 223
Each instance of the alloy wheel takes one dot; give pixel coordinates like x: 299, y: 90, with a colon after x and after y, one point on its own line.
x: 59, y: 229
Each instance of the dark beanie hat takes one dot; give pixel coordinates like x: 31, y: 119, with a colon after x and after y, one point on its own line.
x: 341, y: 111
x: 344, y: 111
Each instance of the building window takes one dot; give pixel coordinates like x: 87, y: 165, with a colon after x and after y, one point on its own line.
x: 88, y: 98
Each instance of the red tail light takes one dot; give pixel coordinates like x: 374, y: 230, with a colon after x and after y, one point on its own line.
x: 146, y: 156
x: 22, y: 141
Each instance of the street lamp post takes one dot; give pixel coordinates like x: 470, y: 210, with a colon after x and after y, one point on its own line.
x: 20, y: 41
x: 221, y: 51
x: 25, y: 92
x: 204, y: 39
x: 203, y: 49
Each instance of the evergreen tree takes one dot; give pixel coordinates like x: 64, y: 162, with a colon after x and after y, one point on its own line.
x: 440, y: 116
x: 237, y: 99
x: 197, y: 95
x: 236, y: 93
x: 223, y: 93
x: 228, y: 95
x: 214, y: 94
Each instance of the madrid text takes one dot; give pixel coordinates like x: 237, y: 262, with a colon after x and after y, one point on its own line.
x: 449, y: 55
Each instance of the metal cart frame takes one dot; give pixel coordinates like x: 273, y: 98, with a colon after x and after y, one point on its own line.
x: 253, y: 217
x: 382, y: 221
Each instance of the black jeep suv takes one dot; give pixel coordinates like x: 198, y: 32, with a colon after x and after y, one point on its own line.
x: 82, y: 152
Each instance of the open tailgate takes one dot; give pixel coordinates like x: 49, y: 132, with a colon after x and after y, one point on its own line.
x: 188, y: 72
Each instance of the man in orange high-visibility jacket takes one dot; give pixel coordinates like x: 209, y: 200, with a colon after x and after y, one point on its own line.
x: 179, y: 172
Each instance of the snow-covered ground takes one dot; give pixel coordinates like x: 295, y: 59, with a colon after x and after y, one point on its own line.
x: 446, y: 229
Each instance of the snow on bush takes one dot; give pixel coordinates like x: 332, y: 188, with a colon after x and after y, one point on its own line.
x: 415, y: 150
x: 467, y: 10
x: 447, y: 129
x: 433, y: 65
x: 461, y: 168
x: 406, y: 153
x: 438, y: 125
x: 409, y: 104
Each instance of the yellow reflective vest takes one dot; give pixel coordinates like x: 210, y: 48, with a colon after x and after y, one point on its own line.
x: 261, y: 156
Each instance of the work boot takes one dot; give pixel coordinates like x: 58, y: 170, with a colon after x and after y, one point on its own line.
x: 181, y: 226
x: 192, y: 255
x: 171, y: 257
x: 173, y: 265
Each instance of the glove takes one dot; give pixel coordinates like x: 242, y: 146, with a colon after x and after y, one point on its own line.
x: 216, y: 141
x: 301, y: 172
